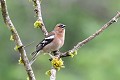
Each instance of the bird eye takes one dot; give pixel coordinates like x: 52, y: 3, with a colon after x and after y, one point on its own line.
x: 62, y: 26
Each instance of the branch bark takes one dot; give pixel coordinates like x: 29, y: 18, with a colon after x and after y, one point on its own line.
x: 17, y: 40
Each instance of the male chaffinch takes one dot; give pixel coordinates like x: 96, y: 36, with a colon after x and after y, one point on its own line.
x: 52, y: 42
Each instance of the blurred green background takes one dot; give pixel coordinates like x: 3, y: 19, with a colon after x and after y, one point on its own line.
x: 97, y: 60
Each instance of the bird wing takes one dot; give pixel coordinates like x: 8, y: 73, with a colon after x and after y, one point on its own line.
x: 41, y: 45
x: 44, y: 42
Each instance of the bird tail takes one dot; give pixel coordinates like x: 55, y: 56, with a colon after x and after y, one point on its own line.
x: 34, y: 56
x: 33, y: 53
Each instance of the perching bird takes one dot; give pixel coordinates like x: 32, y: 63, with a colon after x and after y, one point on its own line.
x: 52, y: 42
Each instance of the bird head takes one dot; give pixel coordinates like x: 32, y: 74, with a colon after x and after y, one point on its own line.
x: 60, y: 28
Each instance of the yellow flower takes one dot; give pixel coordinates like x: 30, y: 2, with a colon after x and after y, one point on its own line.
x: 20, y: 61
x: 38, y: 24
x: 11, y: 38
x: 28, y: 78
x: 73, y: 53
x: 16, y: 47
x: 48, y: 73
x: 57, y: 63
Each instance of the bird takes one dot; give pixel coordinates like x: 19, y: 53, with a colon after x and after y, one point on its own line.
x: 52, y: 42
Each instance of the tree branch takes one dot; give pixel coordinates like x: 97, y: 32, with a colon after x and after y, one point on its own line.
x: 37, y: 10
x: 80, y: 44
x: 53, y: 74
x: 17, y: 40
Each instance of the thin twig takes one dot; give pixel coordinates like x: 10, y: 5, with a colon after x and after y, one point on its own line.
x: 80, y: 44
x: 37, y: 10
x: 53, y: 74
x: 17, y: 40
